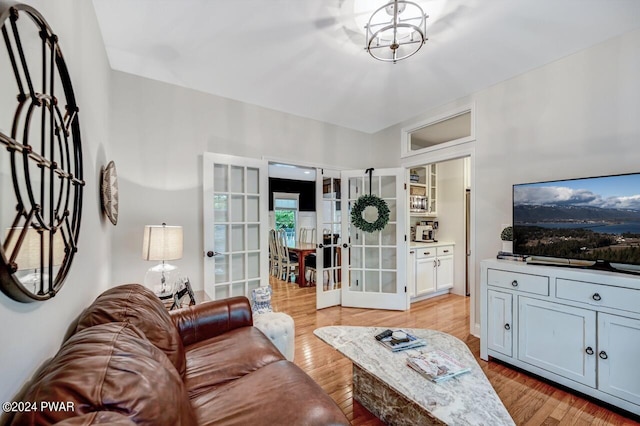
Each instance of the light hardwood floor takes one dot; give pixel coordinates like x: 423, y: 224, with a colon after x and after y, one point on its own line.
x: 529, y: 400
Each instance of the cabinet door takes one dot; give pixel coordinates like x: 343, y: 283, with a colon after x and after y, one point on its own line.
x: 558, y: 338
x: 618, y: 352
x: 432, y: 188
x: 425, y: 275
x: 411, y: 273
x: 444, y: 273
x: 500, y: 327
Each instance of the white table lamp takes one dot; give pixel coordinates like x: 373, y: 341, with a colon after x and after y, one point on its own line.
x: 162, y: 242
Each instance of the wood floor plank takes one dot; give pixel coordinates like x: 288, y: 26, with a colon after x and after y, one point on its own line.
x: 529, y: 400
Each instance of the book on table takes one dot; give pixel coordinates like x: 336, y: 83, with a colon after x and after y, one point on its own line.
x: 437, y: 365
x: 408, y: 342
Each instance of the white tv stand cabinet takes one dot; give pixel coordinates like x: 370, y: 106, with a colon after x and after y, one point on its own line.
x: 579, y: 328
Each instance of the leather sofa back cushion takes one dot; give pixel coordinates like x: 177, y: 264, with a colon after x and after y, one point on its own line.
x: 110, y: 367
x: 138, y: 305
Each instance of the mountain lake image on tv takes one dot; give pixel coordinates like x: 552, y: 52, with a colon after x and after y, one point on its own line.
x: 595, y: 219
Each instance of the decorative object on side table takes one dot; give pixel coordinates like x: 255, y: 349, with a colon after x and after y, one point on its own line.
x: 109, y: 192
x: 182, y: 289
x: 162, y: 242
x: 41, y: 148
x: 506, y: 235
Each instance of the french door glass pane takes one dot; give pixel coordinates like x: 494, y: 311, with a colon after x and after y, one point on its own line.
x: 237, y: 240
x: 372, y: 281
x: 221, y: 208
x: 253, y: 270
x: 221, y: 237
x: 253, y: 180
x: 237, y: 179
x: 237, y: 267
x: 253, y: 237
x: 237, y: 208
x: 220, y: 178
x: 253, y: 208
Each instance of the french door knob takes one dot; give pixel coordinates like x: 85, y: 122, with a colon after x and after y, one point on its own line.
x: 212, y: 253
x: 321, y: 245
x: 345, y: 245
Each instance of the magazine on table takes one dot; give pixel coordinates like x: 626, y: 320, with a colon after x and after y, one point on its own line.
x: 399, y: 340
x: 437, y: 365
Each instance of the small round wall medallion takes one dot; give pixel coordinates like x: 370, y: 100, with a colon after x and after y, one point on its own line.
x: 109, y: 192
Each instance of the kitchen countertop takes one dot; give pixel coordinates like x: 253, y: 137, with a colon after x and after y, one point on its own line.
x: 434, y: 244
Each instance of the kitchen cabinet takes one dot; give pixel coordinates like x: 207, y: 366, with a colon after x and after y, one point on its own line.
x: 411, y: 273
x: 423, y: 191
x: 576, y: 327
x: 433, y: 271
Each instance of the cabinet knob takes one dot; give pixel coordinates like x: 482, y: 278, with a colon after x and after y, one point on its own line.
x: 426, y: 253
x: 589, y: 350
x: 507, y: 327
x: 514, y: 283
x: 445, y: 251
x: 438, y: 262
x: 596, y: 297
x: 435, y: 263
x: 411, y: 252
x: 603, y: 355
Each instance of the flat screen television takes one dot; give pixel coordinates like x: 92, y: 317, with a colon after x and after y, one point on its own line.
x: 591, y: 222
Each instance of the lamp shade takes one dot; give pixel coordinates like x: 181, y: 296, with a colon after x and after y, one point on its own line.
x: 28, y: 256
x: 162, y: 242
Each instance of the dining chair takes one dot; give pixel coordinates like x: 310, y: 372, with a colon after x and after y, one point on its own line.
x: 288, y: 262
x: 273, y: 254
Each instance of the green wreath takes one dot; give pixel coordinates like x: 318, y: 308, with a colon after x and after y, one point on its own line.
x: 358, y: 220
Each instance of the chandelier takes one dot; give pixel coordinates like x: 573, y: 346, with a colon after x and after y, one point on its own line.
x: 396, y: 31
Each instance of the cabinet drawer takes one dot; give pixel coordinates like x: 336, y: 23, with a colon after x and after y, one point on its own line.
x: 444, y: 251
x: 527, y: 283
x: 422, y: 252
x: 626, y: 299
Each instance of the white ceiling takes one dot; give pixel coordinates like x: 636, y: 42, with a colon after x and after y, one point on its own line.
x: 306, y: 57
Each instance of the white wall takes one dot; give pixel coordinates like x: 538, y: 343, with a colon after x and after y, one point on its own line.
x: 451, y: 192
x: 576, y: 117
x: 159, y: 132
x: 33, y: 332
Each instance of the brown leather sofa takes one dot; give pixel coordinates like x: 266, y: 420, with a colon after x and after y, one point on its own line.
x: 129, y: 361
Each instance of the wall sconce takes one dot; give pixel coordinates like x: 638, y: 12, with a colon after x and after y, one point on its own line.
x: 162, y: 242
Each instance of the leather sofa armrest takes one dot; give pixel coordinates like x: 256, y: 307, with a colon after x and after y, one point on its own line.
x: 209, y: 319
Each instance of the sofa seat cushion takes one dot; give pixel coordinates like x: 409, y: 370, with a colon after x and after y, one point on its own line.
x: 216, y: 361
x: 277, y: 394
x: 110, y: 367
x: 138, y: 305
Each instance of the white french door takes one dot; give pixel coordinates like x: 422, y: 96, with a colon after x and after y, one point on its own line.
x: 329, y: 228
x: 235, y: 208
x: 374, y: 264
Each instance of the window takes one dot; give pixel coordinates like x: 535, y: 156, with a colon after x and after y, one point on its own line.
x: 285, y: 209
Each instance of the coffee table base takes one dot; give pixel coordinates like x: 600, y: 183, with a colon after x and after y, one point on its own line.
x: 387, y: 404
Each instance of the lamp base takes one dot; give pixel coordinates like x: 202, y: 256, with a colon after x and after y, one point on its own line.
x: 162, y: 279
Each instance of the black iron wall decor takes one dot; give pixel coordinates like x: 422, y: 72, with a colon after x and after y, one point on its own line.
x: 41, y: 179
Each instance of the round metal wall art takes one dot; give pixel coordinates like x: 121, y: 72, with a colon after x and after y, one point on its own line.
x: 41, y: 174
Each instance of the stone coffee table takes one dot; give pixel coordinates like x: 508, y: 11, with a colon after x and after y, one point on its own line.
x: 398, y: 395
